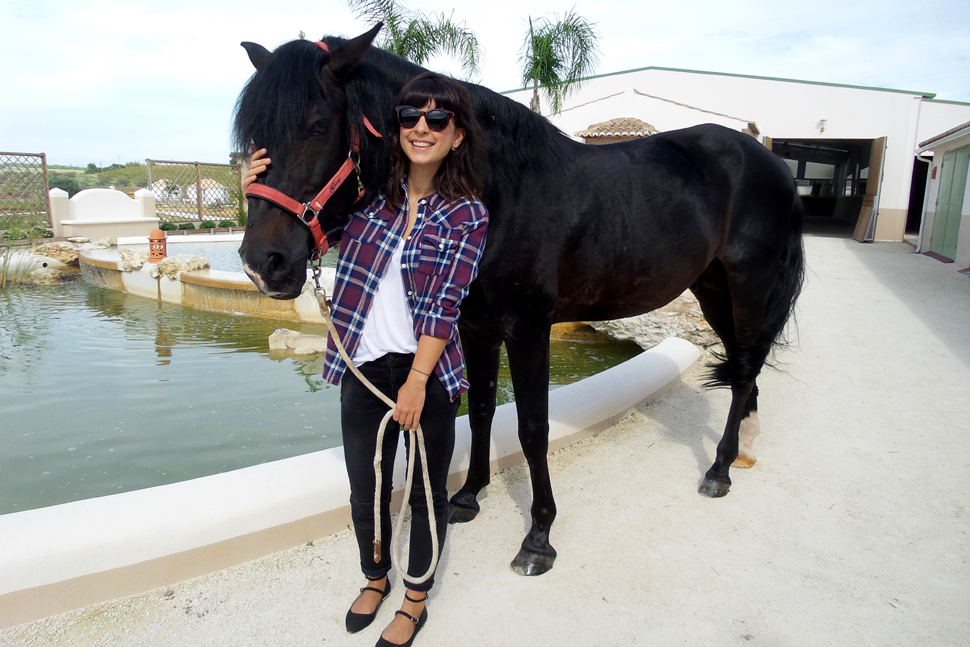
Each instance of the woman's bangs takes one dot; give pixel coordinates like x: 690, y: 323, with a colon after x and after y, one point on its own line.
x: 421, y: 91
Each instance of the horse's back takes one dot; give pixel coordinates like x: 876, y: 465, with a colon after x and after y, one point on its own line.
x: 658, y: 213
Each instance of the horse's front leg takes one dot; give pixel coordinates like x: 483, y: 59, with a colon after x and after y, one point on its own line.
x: 529, y: 364
x: 482, y: 364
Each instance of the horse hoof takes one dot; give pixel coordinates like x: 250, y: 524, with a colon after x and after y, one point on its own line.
x: 531, y: 563
x: 461, y: 515
x: 744, y: 461
x: 713, y: 489
x: 464, y: 507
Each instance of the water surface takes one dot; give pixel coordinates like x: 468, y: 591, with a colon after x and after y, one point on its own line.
x: 104, y: 392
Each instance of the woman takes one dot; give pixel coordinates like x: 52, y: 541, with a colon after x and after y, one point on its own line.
x: 405, y: 264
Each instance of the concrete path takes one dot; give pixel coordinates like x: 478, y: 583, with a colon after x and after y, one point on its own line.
x: 852, y: 529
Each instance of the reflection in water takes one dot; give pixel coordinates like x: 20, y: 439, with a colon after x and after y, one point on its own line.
x: 21, y: 328
x: 102, y: 392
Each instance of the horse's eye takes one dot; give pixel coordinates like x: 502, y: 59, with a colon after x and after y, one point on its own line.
x: 321, y: 126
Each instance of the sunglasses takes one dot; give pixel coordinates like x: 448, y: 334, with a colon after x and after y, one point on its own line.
x: 437, y: 119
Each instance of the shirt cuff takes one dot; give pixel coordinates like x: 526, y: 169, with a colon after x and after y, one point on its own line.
x: 437, y: 326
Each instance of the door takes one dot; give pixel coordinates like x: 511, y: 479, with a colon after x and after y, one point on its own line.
x: 949, y: 202
x: 865, y: 228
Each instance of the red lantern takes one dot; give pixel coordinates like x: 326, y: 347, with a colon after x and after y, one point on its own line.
x: 156, y: 245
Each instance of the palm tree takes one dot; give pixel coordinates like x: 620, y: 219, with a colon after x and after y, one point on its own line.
x: 418, y: 37
x: 556, y: 55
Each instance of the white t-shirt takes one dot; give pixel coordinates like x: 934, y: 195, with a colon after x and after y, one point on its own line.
x: 389, y: 327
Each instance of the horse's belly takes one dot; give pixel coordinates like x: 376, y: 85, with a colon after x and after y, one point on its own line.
x: 618, y: 296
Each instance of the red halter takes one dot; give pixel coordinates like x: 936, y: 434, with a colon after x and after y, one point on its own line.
x: 306, y: 212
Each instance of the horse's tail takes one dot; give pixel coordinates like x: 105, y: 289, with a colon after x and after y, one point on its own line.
x: 791, y: 278
x: 745, y: 363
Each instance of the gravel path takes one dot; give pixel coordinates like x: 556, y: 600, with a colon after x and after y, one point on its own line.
x: 852, y: 529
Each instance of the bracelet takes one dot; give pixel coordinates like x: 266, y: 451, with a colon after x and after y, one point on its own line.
x: 421, y: 372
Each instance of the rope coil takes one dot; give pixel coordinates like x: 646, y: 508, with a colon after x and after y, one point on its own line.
x: 416, y: 437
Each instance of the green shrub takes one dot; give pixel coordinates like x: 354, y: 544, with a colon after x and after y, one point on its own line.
x: 14, y: 233
x: 186, y: 226
x: 227, y: 223
x: 207, y: 224
x: 168, y: 226
x: 65, y: 182
x: 40, y: 232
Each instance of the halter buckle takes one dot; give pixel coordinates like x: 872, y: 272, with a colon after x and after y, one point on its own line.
x: 356, y: 163
x: 307, y: 209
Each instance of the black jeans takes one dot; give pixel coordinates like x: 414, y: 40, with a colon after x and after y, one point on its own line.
x: 360, y: 416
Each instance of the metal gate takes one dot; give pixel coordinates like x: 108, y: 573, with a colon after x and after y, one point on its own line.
x: 24, y: 202
x: 195, y: 191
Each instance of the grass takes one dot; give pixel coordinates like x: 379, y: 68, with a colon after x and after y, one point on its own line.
x: 8, y: 277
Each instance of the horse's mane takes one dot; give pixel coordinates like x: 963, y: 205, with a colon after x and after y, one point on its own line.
x: 515, y: 137
x: 516, y: 140
x: 275, y: 103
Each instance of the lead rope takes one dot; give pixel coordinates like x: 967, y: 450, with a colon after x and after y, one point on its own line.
x: 416, y: 437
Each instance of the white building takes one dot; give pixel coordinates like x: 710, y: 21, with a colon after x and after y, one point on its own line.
x: 834, y: 137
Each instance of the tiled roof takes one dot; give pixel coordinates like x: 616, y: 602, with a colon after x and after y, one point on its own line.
x: 622, y: 127
x: 953, y: 130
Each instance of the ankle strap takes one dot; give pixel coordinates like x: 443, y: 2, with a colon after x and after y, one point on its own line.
x: 375, y: 579
x: 410, y: 599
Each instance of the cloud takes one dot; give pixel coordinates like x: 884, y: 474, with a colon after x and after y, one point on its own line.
x: 98, y: 80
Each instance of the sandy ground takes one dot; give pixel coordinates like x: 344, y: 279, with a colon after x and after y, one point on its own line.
x: 852, y: 529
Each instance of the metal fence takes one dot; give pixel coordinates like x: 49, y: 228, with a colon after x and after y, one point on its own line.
x: 195, y: 191
x: 24, y: 202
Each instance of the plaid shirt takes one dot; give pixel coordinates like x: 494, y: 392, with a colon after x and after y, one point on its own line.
x: 439, y: 261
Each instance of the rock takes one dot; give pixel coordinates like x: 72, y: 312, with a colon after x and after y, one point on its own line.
x: 578, y: 331
x: 297, y: 343
x: 78, y: 239
x: 132, y: 259
x: 104, y: 243
x: 64, y: 252
x: 680, y: 318
x: 47, y: 276
x: 170, y: 266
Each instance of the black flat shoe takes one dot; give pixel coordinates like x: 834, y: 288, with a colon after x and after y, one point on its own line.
x: 418, y: 623
x: 357, y: 621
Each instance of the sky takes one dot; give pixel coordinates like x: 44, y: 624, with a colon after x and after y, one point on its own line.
x: 119, y: 81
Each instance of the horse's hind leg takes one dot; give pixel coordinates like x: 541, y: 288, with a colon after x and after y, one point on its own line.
x: 482, y: 364
x: 736, y: 320
x: 717, y: 481
x: 749, y: 429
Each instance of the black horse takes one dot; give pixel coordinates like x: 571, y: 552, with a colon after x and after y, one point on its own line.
x: 576, y: 233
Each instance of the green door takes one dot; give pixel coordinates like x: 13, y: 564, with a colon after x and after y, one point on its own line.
x: 949, y: 203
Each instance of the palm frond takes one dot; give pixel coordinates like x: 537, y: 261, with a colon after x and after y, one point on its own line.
x: 557, y: 55
x: 417, y: 37
x: 374, y: 10
x: 456, y: 40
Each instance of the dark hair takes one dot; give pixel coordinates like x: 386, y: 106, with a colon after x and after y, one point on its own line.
x: 460, y: 175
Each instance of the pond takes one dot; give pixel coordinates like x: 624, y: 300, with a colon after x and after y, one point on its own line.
x: 103, y: 392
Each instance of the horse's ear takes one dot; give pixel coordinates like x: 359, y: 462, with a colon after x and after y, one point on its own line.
x: 344, y: 59
x: 257, y: 53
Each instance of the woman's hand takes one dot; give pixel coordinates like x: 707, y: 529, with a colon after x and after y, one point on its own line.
x: 257, y: 165
x: 410, y: 401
